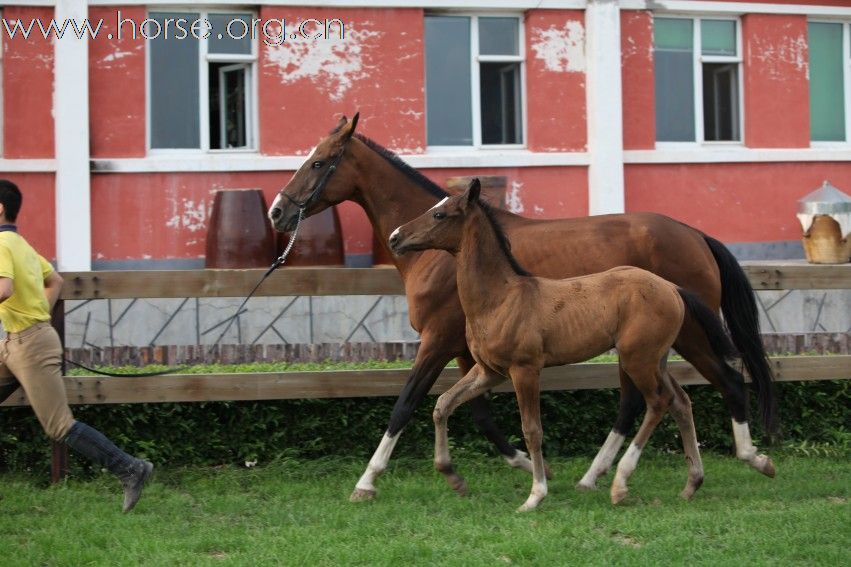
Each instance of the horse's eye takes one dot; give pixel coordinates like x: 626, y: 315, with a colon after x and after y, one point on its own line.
x: 439, y: 216
x: 318, y: 164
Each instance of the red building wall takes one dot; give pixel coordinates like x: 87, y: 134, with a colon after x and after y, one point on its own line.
x: 777, y: 97
x: 27, y: 88
x: 735, y: 202
x: 639, y: 103
x: 555, y: 79
x: 378, y: 69
x: 117, y: 86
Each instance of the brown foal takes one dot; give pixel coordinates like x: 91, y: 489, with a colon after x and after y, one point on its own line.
x: 518, y: 324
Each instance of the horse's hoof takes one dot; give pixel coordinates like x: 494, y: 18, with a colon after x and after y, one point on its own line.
x: 459, y: 485
x: 362, y: 495
x: 764, y: 464
x: 526, y: 508
x: 583, y: 486
x: 618, y: 495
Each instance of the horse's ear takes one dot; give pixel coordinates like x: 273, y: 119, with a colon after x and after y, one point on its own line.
x: 349, y: 129
x: 340, y: 123
x: 473, y: 191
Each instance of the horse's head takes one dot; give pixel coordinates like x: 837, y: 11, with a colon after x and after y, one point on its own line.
x: 315, y: 186
x: 439, y: 227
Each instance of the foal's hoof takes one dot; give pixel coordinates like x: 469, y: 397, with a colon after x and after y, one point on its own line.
x: 618, y: 495
x: 362, y: 495
x: 457, y: 482
x: 584, y: 486
x: 764, y: 464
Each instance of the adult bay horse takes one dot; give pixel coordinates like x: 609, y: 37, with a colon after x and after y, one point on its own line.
x: 518, y: 324
x: 345, y: 166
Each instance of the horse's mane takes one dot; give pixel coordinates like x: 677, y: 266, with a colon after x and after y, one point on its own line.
x: 502, y: 239
x: 408, y: 171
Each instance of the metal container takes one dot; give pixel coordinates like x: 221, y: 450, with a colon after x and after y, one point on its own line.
x: 825, y: 216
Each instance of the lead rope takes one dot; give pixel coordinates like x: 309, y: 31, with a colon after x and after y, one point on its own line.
x: 279, y: 261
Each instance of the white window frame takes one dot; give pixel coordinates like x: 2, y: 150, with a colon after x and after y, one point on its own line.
x: 697, y: 68
x: 475, y: 90
x: 204, y: 59
x: 846, y: 56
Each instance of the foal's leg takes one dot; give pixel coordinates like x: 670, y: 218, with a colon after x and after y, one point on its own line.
x: 528, y: 388
x: 681, y: 411
x: 483, y: 418
x: 476, y: 382
x: 631, y: 405
x: 693, y: 346
x: 432, y: 357
x: 658, y: 400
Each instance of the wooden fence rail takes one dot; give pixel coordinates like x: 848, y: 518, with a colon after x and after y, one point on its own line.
x: 359, y: 383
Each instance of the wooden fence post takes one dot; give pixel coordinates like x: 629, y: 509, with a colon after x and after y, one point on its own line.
x: 59, y: 458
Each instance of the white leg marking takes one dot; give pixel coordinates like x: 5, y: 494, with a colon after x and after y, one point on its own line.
x: 745, y: 449
x: 378, y: 462
x: 520, y: 460
x: 603, y: 461
x: 626, y: 467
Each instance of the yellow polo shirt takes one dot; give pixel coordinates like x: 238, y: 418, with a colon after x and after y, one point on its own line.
x: 28, y: 304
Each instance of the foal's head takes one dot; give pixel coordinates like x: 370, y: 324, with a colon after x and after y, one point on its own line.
x: 439, y: 227
x: 315, y: 186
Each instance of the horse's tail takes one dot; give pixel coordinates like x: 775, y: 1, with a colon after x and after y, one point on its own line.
x: 738, y: 304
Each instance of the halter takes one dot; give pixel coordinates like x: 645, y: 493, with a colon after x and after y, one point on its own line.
x: 320, y: 185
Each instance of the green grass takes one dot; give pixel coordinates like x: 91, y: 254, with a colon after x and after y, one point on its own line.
x: 297, y: 513
x: 282, y: 366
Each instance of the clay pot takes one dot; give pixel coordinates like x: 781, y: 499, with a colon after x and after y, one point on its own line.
x: 239, y: 234
x: 319, y: 241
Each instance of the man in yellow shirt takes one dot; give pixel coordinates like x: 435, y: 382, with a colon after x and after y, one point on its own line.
x: 32, y: 352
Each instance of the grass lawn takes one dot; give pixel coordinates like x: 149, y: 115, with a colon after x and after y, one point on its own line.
x: 297, y: 513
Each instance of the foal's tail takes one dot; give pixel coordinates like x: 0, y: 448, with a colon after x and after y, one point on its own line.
x: 738, y: 304
x: 711, y: 324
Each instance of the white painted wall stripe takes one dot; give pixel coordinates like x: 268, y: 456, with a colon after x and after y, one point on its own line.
x: 605, y: 107
x: 71, y: 116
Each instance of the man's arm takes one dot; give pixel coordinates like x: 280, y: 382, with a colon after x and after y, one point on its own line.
x: 7, y: 288
x: 52, y: 286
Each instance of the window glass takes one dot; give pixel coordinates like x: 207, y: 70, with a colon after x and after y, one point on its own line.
x: 500, y: 94
x: 674, y: 79
x: 498, y: 36
x: 174, y: 87
x: 718, y: 37
x: 720, y: 102
x: 448, y: 90
x: 827, y: 99
x: 235, y: 32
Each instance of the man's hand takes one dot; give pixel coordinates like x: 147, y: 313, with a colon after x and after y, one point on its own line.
x: 7, y: 288
x: 52, y: 286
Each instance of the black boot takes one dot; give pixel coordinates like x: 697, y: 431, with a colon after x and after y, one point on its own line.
x: 94, y: 445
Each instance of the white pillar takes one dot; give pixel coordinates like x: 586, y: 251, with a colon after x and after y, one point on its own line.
x: 604, y: 107
x: 71, y: 116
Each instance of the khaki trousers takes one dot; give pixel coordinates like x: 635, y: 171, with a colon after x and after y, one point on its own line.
x: 34, y: 357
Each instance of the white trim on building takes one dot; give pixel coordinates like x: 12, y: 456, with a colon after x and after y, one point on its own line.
x: 71, y: 125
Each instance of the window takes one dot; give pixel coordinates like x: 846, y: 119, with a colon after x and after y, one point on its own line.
x: 201, y: 90
x: 830, y: 85
x: 698, y: 91
x: 474, y: 78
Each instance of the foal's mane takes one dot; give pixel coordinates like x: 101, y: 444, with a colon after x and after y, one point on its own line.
x: 502, y: 239
x: 400, y: 165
